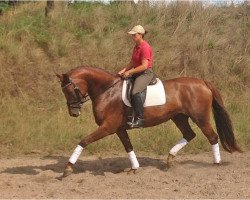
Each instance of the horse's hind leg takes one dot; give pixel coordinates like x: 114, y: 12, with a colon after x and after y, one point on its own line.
x: 181, y: 121
x: 123, y: 135
x: 212, y: 137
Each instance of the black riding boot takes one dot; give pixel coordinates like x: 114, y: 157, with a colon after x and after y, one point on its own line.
x: 137, y: 103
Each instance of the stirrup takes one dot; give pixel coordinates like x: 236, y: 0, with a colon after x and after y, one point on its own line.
x: 138, y: 123
x: 130, y: 119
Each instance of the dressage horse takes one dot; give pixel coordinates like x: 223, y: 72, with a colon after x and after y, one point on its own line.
x: 186, y: 98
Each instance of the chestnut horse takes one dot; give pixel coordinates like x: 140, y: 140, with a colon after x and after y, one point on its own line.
x: 186, y: 98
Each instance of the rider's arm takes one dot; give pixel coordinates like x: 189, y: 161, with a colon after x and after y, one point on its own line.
x: 128, y: 67
x: 145, y: 56
x: 140, y: 68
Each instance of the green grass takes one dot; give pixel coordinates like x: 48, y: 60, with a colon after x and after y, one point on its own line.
x: 28, y: 128
x: 4, y: 6
x: 187, y: 39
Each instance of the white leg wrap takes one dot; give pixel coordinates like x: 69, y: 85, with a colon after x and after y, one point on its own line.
x: 133, y: 160
x: 76, y: 154
x: 216, y: 153
x: 183, y: 142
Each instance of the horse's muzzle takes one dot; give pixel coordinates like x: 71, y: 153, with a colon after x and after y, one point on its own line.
x: 75, y: 112
x: 74, y: 115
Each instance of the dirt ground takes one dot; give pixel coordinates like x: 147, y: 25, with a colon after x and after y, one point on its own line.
x: 192, y: 176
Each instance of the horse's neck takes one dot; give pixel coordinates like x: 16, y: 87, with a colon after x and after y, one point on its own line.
x: 98, y: 81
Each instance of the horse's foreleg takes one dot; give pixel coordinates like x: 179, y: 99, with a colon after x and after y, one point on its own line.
x: 123, y: 135
x: 181, y: 121
x: 96, y: 135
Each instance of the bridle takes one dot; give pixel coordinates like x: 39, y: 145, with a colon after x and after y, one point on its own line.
x: 80, y: 98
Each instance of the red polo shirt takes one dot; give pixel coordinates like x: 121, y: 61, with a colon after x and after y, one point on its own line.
x: 140, y: 52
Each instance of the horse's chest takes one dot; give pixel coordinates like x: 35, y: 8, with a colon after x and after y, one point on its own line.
x: 99, y: 114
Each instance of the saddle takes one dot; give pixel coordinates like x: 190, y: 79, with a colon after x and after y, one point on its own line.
x: 153, y: 95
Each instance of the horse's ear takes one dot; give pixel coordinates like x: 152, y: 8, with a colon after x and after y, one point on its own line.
x: 60, y: 77
x: 65, y: 78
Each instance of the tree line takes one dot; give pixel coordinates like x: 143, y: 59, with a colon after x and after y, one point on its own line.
x: 6, y: 5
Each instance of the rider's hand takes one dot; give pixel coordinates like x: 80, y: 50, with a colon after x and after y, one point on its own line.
x: 126, y: 74
x: 122, y: 72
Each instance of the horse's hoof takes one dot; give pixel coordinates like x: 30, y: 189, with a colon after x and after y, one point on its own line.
x: 217, y: 164
x: 67, y: 172
x: 131, y: 171
x: 170, y: 160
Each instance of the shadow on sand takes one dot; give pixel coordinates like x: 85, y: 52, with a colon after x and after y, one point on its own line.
x: 96, y: 167
x: 100, y: 166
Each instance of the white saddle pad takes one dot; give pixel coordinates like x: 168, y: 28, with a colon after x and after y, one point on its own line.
x: 155, y: 94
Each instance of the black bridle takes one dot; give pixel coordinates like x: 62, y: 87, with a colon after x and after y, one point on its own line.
x: 80, y: 98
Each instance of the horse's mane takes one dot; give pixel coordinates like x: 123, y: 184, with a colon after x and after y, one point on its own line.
x: 91, y: 69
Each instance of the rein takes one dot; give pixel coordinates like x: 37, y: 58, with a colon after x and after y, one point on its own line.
x: 84, y: 98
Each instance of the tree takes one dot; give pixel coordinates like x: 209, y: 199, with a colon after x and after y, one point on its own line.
x: 49, y: 7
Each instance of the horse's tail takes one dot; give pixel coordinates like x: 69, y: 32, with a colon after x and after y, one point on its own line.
x: 223, y: 122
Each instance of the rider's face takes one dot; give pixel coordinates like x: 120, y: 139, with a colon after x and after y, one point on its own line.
x: 137, y: 37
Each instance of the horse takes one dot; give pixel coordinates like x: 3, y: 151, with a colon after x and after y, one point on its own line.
x: 186, y: 97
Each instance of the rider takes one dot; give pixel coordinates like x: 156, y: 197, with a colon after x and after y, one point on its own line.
x: 140, y: 68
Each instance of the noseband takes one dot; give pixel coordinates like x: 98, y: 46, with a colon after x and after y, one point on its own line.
x: 80, y: 98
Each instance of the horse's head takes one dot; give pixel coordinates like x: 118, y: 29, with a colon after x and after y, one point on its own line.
x: 75, y: 91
